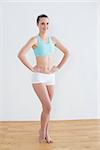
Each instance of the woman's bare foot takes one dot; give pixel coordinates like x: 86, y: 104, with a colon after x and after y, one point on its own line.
x: 48, y: 139
x: 41, y: 137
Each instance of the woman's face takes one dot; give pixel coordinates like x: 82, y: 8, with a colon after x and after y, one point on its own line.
x: 43, y: 24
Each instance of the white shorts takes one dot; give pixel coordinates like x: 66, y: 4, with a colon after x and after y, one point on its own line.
x: 48, y: 79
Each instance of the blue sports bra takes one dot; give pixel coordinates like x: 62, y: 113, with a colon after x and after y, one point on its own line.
x: 43, y: 48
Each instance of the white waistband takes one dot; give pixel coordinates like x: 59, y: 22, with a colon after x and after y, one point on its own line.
x: 38, y: 77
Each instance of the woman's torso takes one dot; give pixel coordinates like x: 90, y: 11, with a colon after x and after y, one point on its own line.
x: 44, y: 54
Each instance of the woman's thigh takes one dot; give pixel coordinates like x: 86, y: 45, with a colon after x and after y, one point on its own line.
x: 42, y: 93
x: 50, y: 89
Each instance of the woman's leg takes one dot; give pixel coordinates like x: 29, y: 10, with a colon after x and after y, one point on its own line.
x: 42, y: 93
x: 50, y: 89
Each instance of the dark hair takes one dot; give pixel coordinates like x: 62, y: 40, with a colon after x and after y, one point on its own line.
x: 41, y: 16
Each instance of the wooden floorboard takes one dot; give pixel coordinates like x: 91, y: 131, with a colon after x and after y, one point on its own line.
x: 67, y: 135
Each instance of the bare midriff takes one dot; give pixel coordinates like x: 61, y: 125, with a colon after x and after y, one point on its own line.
x: 44, y: 64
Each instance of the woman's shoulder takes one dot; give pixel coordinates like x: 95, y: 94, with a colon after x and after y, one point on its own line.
x: 34, y: 39
x: 54, y: 39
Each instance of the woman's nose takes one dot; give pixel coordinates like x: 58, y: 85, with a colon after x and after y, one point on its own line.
x: 45, y: 25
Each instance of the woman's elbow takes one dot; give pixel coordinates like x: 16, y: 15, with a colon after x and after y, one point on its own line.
x: 66, y: 53
x: 20, y: 55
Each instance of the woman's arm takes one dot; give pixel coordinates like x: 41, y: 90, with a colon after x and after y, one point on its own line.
x: 24, y: 50
x: 63, y: 49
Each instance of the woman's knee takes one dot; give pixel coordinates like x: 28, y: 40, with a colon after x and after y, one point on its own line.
x: 47, y: 108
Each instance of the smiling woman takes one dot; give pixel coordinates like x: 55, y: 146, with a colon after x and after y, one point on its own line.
x: 43, y: 77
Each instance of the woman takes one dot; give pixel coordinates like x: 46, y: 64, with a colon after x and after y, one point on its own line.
x: 43, y: 77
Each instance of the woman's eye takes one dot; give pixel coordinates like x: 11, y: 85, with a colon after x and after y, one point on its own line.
x: 44, y: 23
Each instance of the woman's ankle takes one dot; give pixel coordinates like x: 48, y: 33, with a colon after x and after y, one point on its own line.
x: 42, y: 132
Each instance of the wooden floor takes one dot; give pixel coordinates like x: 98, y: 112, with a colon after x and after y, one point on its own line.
x: 67, y: 135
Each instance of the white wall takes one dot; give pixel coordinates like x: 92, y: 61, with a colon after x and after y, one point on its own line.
x: 98, y: 59
x: 75, y: 24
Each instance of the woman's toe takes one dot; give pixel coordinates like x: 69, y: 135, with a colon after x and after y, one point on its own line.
x: 42, y: 140
x: 49, y: 140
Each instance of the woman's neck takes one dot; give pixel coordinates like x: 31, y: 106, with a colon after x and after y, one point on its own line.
x: 43, y: 35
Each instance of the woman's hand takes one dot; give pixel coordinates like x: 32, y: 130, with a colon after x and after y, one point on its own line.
x: 34, y: 68
x: 37, y: 69
x: 54, y: 69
